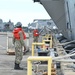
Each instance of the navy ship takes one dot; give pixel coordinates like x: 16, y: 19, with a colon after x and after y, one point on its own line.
x: 62, y: 13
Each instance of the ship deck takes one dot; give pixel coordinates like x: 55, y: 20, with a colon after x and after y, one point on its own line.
x: 7, y: 61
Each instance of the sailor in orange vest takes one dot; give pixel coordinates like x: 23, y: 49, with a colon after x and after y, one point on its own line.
x: 18, y: 40
x: 35, y: 35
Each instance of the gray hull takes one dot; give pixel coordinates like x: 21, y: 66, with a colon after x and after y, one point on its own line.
x: 58, y: 12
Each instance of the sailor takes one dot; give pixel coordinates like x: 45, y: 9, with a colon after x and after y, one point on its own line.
x: 18, y: 40
x: 35, y: 35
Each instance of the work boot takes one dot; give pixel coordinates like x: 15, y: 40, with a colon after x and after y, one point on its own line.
x: 17, y: 67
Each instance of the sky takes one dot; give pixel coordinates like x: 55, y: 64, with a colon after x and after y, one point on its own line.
x: 24, y: 11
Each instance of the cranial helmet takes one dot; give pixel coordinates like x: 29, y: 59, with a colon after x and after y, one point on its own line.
x: 18, y: 24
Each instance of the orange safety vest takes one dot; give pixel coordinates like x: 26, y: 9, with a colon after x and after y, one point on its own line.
x: 16, y: 33
x: 35, y: 32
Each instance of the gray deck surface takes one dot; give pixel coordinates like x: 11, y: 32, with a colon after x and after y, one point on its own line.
x: 7, y: 64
